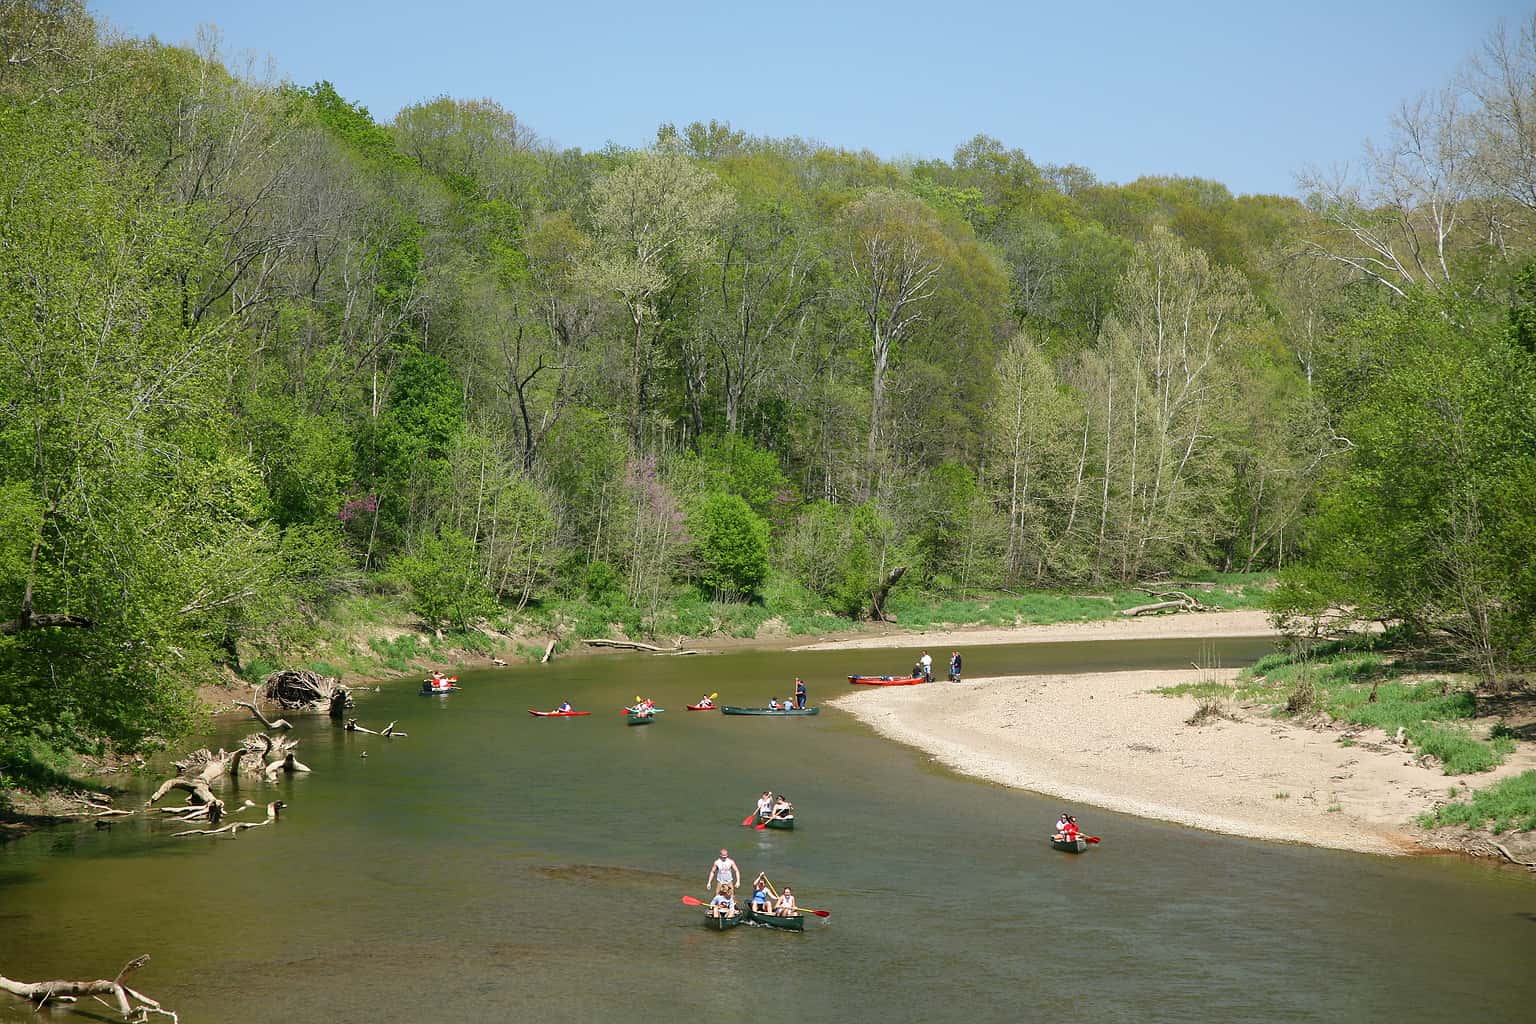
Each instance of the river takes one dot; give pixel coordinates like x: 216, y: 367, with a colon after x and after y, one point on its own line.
x: 497, y: 867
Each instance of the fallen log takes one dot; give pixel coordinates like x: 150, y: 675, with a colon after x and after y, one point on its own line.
x: 549, y: 650
x: 133, y: 1005
x: 634, y: 645
x: 1158, y: 606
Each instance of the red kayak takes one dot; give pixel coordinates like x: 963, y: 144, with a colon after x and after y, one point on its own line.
x: 557, y: 714
x: 702, y: 707
x: 886, y: 680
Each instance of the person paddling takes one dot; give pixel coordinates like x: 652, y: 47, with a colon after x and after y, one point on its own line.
x: 565, y: 706
x: 705, y: 702
x: 724, y: 903
x: 765, y: 804
x: 761, y: 901
x: 786, y: 907
x: 799, y: 693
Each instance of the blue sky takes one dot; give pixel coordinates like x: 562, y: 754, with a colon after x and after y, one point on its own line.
x: 1246, y: 93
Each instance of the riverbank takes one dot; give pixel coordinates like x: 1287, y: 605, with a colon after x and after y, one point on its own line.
x: 1158, y: 627
x: 1106, y: 740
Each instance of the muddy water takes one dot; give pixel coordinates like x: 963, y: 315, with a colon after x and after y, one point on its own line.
x: 495, y: 867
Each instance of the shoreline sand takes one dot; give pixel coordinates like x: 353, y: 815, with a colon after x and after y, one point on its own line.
x: 1103, y: 739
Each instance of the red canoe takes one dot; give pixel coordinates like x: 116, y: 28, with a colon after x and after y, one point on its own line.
x: 886, y: 680
x: 702, y: 707
x: 557, y: 714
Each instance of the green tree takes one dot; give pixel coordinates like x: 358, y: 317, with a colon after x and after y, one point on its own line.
x: 730, y: 546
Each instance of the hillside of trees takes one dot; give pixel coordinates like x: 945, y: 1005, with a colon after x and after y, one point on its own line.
x: 260, y: 352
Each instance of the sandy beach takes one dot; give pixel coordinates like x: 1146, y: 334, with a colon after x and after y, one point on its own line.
x: 1102, y: 739
x: 1204, y: 624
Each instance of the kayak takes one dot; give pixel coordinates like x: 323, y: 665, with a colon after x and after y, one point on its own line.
x: 429, y: 688
x: 886, y: 680
x: 1077, y: 845
x: 784, y: 823
x: 720, y: 924
x: 769, y: 711
x: 702, y: 707
x: 631, y: 711
x: 557, y: 714
x: 795, y: 923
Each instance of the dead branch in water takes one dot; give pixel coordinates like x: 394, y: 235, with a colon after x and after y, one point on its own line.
x: 131, y: 1004
x: 279, y: 723
x: 234, y: 828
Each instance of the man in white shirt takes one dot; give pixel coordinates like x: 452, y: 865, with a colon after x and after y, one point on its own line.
x: 723, y: 872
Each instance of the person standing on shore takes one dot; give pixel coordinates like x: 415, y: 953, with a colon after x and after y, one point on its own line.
x: 799, y: 693
x: 926, y: 661
x: 954, y: 666
x: 723, y: 872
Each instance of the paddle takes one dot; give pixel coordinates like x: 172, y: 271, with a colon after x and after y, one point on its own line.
x: 748, y: 819
x: 1091, y: 839
x: 764, y: 823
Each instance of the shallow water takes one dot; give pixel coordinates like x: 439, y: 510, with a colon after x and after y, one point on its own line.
x: 498, y: 867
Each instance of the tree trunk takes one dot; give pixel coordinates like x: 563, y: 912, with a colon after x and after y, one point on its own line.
x: 877, y: 605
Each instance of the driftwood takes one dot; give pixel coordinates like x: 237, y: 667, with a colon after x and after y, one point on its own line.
x: 280, y: 723
x: 549, y: 650
x: 635, y: 645
x: 389, y: 732
x: 877, y: 603
x: 1511, y: 857
x: 1168, y: 600
x: 303, y: 690
x: 133, y: 1005
x: 234, y: 828
x: 277, y: 756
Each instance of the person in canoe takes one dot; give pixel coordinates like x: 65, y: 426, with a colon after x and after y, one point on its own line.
x: 799, y: 693
x: 761, y: 900
x: 1066, y: 829
x: 723, y: 871
x: 765, y: 804
x: 724, y: 903
x: 954, y: 666
x: 565, y: 706
x: 780, y: 809
x: 773, y: 703
x: 786, y: 905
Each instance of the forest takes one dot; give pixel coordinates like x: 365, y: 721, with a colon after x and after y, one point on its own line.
x: 262, y: 354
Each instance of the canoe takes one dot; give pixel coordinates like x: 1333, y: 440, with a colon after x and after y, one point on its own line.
x: 429, y: 688
x: 557, y: 714
x: 1077, y: 845
x: 784, y: 823
x: 795, y: 923
x: 886, y: 680
x: 720, y: 924
x: 768, y: 711
x: 639, y: 719
x: 631, y: 711
x: 702, y: 707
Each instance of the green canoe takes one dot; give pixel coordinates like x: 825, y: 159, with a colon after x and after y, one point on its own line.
x: 639, y: 719
x: 720, y: 924
x: 769, y: 711
x: 1070, y: 845
x: 787, y: 924
x: 784, y: 823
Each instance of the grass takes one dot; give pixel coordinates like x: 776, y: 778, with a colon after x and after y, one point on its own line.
x: 1509, y: 804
